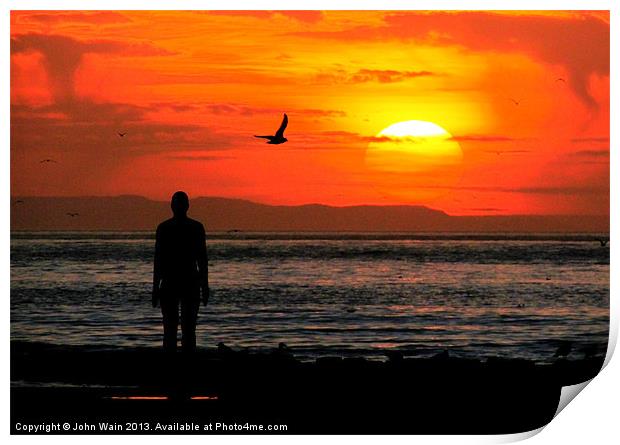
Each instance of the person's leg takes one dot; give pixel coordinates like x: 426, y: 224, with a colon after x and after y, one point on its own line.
x: 190, y: 304
x: 170, y: 311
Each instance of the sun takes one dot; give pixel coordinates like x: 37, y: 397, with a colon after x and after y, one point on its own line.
x: 414, y: 161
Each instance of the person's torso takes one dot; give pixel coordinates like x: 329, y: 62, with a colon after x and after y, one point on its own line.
x: 180, y: 246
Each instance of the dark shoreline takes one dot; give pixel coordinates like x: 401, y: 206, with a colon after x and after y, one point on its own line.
x: 441, y: 395
x: 327, y: 235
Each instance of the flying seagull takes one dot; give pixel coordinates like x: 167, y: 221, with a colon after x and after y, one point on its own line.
x: 516, y: 102
x: 72, y: 214
x: 45, y: 161
x: 279, y: 136
x: 603, y: 242
x: 560, y: 79
x: 122, y: 134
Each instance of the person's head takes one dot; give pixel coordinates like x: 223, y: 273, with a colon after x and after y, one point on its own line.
x: 179, y: 203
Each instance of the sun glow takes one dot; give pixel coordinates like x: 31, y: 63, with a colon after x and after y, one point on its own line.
x: 414, y: 129
x: 414, y: 160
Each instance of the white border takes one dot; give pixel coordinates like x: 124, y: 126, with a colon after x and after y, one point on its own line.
x: 310, y: 4
x: 592, y: 418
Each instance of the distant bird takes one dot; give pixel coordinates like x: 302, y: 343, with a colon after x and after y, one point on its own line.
x: 565, y: 348
x: 278, y: 138
x: 46, y: 161
x: 73, y: 214
x: 603, y: 242
x: 350, y: 310
x: 560, y: 79
x: 515, y: 101
x: 19, y: 201
x: 122, y: 134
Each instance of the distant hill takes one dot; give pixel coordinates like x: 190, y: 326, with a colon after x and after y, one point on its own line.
x: 222, y: 214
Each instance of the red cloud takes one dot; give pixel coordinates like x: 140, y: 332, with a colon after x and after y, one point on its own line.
x: 95, y: 17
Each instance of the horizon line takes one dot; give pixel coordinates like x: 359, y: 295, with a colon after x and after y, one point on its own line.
x: 129, y: 195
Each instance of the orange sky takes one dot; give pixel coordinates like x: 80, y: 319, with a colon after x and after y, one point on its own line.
x: 191, y: 89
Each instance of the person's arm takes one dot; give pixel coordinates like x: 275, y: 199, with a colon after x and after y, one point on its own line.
x: 156, y: 269
x: 203, y: 266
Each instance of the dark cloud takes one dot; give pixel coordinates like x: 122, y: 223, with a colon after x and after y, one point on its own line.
x: 542, y: 190
x: 482, y: 138
x: 88, y: 127
x: 175, y: 106
x: 244, y: 110
x: 320, y: 113
x: 590, y: 139
x: 62, y: 56
x: 200, y: 158
x: 78, y: 111
x: 387, y: 76
x: 563, y: 190
x: 91, y: 129
x: 90, y: 151
x: 214, y: 108
x: 592, y: 153
x: 370, y: 75
x: 309, y: 17
x: 354, y: 137
x: 94, y: 17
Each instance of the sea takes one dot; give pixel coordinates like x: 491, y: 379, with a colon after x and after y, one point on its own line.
x: 327, y: 294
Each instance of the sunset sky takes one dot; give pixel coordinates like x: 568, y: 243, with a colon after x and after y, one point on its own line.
x: 522, y: 99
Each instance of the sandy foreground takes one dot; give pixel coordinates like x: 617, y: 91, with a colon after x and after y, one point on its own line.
x: 86, y: 390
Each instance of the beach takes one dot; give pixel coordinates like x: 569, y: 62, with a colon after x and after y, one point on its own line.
x: 332, y: 395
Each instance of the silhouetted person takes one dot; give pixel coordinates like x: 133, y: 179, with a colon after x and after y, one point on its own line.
x: 180, y: 273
